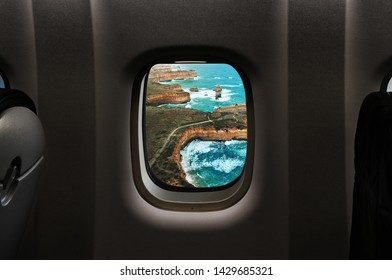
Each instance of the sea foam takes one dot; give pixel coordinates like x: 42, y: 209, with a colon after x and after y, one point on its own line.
x: 213, y: 163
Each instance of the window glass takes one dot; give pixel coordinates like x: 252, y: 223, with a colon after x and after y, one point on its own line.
x: 2, y: 83
x: 195, y: 125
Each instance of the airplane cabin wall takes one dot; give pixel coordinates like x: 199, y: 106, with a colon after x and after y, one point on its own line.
x: 64, y: 226
x: 318, y: 216
x: 310, y: 64
x: 128, y: 35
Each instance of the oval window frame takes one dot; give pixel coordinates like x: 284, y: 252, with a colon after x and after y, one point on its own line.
x: 182, y: 199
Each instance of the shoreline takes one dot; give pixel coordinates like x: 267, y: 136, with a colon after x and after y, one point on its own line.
x: 203, y: 134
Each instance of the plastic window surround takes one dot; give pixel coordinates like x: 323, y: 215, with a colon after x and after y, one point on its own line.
x: 386, y: 84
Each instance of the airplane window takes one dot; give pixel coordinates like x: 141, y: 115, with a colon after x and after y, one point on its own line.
x: 195, y: 125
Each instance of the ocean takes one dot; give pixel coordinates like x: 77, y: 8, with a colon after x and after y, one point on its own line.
x: 209, y: 76
x: 209, y: 164
x: 213, y: 163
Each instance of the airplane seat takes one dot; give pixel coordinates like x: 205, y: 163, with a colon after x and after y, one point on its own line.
x: 372, y: 198
x: 21, y: 152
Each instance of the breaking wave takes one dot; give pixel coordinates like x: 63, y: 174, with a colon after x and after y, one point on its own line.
x: 213, y: 163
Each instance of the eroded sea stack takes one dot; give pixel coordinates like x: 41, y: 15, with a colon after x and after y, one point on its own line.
x: 218, y: 92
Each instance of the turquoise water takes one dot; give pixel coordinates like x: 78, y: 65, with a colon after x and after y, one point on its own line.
x: 213, y: 163
x: 209, y: 76
x: 209, y: 164
x: 1, y: 82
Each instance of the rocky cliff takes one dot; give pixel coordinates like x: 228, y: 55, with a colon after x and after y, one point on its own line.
x: 165, y: 76
x: 158, y: 94
x: 168, y: 98
x: 232, y: 109
x: 154, y: 88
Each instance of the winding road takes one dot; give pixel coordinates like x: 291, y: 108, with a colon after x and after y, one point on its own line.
x: 159, y: 152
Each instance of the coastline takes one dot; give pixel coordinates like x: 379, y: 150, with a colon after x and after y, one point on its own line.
x: 205, y: 135
x: 170, y: 129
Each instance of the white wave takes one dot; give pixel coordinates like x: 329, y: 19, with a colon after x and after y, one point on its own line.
x: 222, y: 164
x: 202, y: 94
x: 227, y: 165
x: 217, y: 78
x: 209, y: 93
x: 232, y: 86
x: 186, y: 166
x: 233, y: 142
x: 199, y: 147
x: 190, y: 157
x: 188, y: 106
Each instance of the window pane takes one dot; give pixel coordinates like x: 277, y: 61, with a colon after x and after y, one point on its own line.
x: 2, y: 84
x: 195, y: 125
